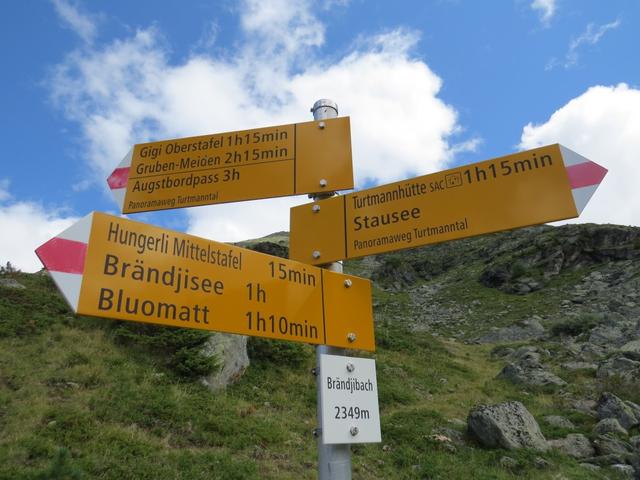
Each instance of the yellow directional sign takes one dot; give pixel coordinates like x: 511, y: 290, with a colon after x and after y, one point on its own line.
x: 108, y: 266
x: 536, y: 186
x: 228, y: 167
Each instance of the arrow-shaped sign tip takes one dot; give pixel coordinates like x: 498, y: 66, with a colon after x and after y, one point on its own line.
x: 64, y: 256
x: 118, y: 179
x: 584, y: 177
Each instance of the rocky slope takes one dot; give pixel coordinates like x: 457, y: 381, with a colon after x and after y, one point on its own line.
x: 561, y: 308
x: 513, y: 355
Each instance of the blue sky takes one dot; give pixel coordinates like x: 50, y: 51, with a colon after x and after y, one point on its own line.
x: 428, y: 85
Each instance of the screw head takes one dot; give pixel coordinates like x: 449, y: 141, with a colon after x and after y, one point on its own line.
x: 350, y: 367
x: 315, y: 208
x: 323, y: 183
x: 354, y: 431
x: 351, y: 337
x: 321, y: 125
x: 348, y: 283
x: 315, y: 254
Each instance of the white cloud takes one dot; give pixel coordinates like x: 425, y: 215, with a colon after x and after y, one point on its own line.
x: 602, y: 124
x: 208, y: 38
x: 30, y: 225
x: 282, y: 26
x: 233, y: 222
x: 591, y: 36
x: 128, y: 92
x: 82, y: 24
x: 4, y: 189
x: 546, y: 9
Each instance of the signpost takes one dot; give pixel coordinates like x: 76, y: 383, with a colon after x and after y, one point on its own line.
x: 349, y: 402
x: 226, y: 167
x: 111, y: 267
x: 527, y: 188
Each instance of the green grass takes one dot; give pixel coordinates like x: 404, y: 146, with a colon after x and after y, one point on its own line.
x: 79, y: 399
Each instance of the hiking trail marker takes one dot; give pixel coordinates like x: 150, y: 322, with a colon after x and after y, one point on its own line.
x: 527, y: 188
x: 112, y: 267
x: 277, y: 161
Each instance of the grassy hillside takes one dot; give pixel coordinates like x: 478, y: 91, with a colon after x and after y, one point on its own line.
x: 84, y: 398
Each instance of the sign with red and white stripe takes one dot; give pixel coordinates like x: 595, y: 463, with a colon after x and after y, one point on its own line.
x: 112, y: 267
x: 226, y: 167
x: 64, y: 258
x: 536, y: 186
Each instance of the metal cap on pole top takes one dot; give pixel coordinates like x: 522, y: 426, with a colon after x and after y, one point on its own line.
x: 334, y: 461
x: 324, y: 108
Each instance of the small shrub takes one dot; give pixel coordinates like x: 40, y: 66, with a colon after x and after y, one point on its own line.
x: 276, y: 351
x: 8, y: 270
x: 61, y: 468
x: 573, y: 327
x: 179, y: 348
x: 518, y: 269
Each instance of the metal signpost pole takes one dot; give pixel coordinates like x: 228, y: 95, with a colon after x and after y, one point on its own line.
x: 334, y: 461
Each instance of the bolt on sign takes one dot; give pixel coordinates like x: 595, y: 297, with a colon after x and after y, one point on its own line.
x: 527, y: 188
x: 107, y: 266
x: 349, y: 393
x: 292, y: 159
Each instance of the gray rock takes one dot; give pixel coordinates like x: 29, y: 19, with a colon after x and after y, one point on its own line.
x: 558, y: 421
x: 530, y: 329
x: 508, y: 463
x: 607, y: 335
x: 635, y: 442
x: 586, y: 406
x: 575, y: 445
x: 536, y: 376
x: 633, y: 347
x: 10, y: 283
x: 609, y: 425
x: 230, y: 352
x: 608, y: 445
x: 576, y: 366
x: 528, y: 353
x: 610, y: 406
x: 506, y: 425
x: 541, y: 463
x: 620, y: 366
x: 606, y: 460
x: 627, y: 471
x: 591, y: 467
x: 589, y: 352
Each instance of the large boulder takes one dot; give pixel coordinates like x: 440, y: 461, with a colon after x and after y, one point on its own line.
x: 631, y: 349
x: 608, y: 445
x: 230, y: 352
x: 534, y: 377
x: 506, y: 425
x: 529, y: 329
x: 527, y: 370
x: 609, y: 425
x: 620, y: 366
x: 611, y: 406
x: 575, y: 445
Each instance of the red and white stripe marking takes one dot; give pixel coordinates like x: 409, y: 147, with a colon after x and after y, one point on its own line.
x: 118, y: 179
x: 64, y: 256
x: 584, y: 176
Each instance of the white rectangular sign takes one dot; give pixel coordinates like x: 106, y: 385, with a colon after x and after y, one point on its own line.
x: 349, y: 399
